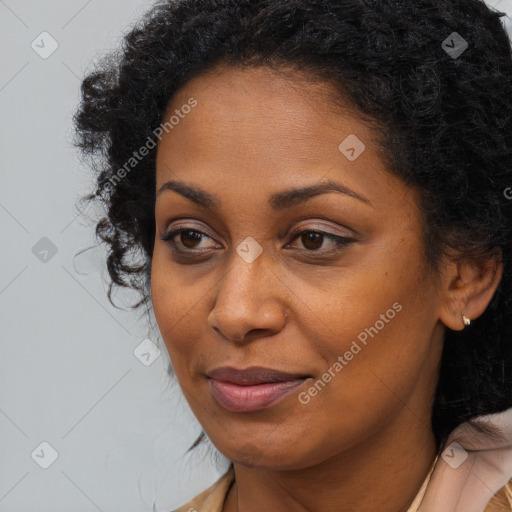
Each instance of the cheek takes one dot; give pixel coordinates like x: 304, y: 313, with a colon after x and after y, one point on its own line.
x: 174, y: 305
x: 364, y: 386
x: 376, y: 337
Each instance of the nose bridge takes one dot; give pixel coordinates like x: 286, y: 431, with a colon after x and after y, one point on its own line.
x: 243, y: 283
x: 245, y: 299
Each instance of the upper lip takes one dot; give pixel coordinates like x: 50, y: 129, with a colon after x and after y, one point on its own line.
x: 252, y: 375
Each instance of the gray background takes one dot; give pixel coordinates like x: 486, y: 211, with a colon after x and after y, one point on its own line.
x: 71, y: 370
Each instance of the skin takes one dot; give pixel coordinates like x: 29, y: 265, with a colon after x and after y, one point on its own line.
x: 253, y: 133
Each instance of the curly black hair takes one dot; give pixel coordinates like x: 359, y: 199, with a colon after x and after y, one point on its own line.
x: 443, y: 122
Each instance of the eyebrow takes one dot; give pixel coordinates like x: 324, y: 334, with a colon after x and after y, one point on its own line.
x: 278, y: 201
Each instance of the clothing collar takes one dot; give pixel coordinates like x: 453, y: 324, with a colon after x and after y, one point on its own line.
x: 474, y: 465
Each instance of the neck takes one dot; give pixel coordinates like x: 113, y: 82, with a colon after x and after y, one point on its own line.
x: 384, y: 474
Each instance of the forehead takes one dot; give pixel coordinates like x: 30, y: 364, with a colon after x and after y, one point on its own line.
x: 279, y: 99
x: 261, y: 127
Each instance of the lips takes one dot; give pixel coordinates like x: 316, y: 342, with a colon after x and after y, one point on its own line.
x: 253, y: 388
x: 252, y: 375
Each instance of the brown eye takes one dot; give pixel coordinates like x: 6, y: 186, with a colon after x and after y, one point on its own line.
x: 188, y: 239
x: 313, y: 240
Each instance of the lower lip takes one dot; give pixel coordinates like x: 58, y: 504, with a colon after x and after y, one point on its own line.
x: 237, y: 398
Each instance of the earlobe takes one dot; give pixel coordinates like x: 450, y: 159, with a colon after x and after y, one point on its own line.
x: 468, y: 288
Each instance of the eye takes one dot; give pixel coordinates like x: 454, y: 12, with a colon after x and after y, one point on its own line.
x: 188, y: 238
x: 313, y: 240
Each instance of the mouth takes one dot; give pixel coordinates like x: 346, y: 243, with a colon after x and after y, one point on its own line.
x: 253, y: 388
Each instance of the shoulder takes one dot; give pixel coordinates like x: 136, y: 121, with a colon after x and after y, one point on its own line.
x: 212, y: 498
x: 502, y: 500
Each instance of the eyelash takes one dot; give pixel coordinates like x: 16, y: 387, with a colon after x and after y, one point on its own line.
x: 340, y: 241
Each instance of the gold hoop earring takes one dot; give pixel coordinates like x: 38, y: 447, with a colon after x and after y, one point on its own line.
x: 465, y: 320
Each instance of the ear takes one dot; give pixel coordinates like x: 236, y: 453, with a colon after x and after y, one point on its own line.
x: 468, y: 287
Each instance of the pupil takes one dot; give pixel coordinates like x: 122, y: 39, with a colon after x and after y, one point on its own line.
x: 314, y: 238
x: 192, y: 234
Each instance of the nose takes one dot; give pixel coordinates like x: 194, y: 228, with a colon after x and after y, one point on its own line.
x: 248, y: 304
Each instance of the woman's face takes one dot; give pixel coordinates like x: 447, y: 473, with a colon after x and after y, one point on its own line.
x: 357, y: 321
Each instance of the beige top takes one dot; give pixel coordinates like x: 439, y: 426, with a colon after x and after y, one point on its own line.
x: 212, y: 499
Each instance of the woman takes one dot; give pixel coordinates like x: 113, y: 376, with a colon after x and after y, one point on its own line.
x: 321, y: 194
